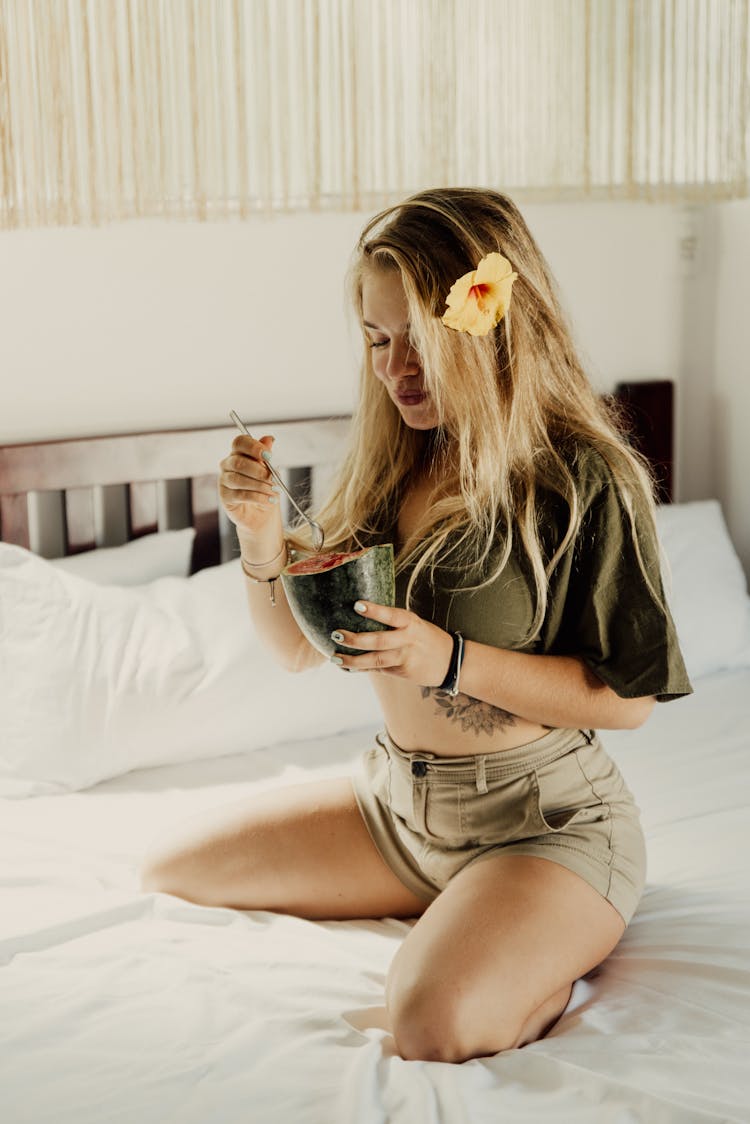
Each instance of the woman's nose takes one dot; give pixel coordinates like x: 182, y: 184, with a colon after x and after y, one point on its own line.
x: 403, y: 359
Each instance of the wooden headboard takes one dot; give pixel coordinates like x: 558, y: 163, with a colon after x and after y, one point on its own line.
x: 64, y: 497
x: 647, y: 411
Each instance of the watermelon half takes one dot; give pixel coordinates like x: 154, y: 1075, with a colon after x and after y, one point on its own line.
x: 321, y: 591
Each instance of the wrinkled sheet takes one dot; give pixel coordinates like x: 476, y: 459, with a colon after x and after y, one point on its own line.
x: 120, y: 1007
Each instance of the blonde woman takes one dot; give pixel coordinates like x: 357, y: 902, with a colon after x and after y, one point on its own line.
x: 529, y: 614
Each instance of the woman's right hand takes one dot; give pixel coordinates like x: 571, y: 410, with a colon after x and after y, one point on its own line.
x: 245, y: 488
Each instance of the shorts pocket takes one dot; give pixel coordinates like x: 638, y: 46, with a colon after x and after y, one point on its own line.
x: 567, y: 796
x: 507, y: 812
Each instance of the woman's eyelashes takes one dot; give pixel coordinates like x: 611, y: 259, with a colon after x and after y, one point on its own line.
x: 378, y: 343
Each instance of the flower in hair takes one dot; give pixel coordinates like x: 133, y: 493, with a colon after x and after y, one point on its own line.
x: 479, y: 300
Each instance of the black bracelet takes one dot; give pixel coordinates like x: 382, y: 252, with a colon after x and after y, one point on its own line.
x: 450, y: 683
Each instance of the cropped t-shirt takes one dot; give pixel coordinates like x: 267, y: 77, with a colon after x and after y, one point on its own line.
x: 600, y: 607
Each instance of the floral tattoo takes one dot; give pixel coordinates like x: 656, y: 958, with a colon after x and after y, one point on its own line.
x: 473, y: 714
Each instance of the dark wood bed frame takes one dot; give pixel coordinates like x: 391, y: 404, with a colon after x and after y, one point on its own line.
x: 131, y: 468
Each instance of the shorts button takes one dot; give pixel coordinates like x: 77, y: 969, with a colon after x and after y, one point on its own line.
x: 419, y: 768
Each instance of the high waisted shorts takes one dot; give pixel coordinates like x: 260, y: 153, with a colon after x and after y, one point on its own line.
x: 560, y: 797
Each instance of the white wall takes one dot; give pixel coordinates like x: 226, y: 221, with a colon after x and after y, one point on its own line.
x: 152, y: 324
x: 145, y: 325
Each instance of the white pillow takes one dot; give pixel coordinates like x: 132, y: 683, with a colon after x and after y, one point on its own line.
x: 160, y: 555
x: 705, y: 586
x: 98, y: 680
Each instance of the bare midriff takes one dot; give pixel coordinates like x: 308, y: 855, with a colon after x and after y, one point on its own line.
x: 459, y: 727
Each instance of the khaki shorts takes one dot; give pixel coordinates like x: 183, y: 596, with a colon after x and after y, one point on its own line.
x: 560, y: 798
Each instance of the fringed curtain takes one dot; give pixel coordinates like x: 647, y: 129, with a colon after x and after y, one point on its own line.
x: 111, y: 109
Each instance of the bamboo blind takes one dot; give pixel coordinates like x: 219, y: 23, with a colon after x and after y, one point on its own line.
x: 200, y: 109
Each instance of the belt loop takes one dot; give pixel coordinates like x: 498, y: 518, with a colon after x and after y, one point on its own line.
x: 481, y: 767
x: 588, y: 735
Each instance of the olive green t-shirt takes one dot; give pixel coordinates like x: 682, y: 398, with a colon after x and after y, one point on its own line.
x: 600, y: 607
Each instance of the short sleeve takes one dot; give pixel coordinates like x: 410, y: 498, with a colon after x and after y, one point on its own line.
x: 613, y: 614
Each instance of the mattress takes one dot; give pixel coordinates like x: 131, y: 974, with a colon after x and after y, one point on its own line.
x: 118, y: 1006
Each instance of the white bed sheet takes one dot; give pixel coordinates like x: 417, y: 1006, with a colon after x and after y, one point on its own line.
x: 121, y: 1007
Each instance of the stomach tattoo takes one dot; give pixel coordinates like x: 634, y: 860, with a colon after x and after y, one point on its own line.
x: 473, y: 715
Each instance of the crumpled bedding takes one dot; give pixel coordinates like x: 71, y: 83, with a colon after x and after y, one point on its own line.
x: 120, y: 1007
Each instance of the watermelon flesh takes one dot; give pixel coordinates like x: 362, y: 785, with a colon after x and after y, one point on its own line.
x: 319, y: 563
x: 321, y: 591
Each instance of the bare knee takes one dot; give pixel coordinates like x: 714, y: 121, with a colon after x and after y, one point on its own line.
x: 428, y: 1030
x: 432, y: 1024
x: 438, y: 1025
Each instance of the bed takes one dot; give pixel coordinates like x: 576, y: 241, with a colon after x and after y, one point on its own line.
x: 133, y: 693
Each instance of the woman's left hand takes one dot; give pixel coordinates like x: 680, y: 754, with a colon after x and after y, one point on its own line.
x: 411, y: 648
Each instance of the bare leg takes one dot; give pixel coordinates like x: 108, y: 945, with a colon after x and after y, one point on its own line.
x: 303, y: 850
x: 541, y: 1021
x: 490, y: 964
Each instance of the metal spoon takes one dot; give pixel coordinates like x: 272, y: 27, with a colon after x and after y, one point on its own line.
x: 317, y: 530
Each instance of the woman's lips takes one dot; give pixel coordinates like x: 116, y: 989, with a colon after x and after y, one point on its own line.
x: 411, y: 399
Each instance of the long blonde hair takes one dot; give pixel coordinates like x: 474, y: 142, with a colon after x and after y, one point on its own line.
x: 513, y: 407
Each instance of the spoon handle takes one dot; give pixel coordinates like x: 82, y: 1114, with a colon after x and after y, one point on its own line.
x: 243, y: 429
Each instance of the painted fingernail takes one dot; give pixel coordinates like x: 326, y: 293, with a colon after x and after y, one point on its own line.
x: 266, y: 455
x: 338, y: 637
x: 273, y: 499
x: 360, y: 606
x: 337, y: 660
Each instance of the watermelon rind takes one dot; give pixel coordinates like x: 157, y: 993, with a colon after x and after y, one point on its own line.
x: 324, y: 601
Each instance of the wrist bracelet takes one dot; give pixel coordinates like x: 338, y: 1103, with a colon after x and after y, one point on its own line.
x: 261, y: 564
x: 450, y: 683
x: 261, y: 581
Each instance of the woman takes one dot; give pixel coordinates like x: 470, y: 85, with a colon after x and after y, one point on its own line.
x: 529, y: 613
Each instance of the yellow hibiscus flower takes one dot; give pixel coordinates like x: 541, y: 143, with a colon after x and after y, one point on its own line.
x: 479, y: 300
